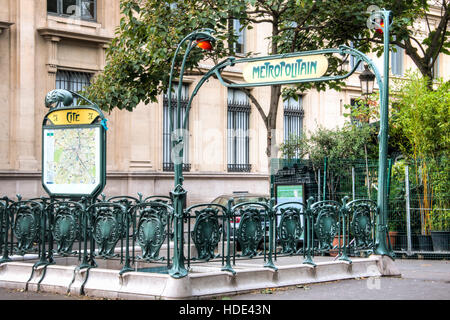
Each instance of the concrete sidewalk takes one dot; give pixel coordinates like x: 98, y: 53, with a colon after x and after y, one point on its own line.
x: 420, y: 280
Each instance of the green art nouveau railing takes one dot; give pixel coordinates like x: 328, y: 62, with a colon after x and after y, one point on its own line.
x: 140, y: 231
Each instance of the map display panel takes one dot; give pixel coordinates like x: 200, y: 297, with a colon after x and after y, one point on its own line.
x: 71, y: 160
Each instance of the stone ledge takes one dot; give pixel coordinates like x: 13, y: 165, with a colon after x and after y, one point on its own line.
x: 203, y: 282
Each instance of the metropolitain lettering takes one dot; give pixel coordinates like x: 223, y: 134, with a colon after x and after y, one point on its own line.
x: 270, y: 70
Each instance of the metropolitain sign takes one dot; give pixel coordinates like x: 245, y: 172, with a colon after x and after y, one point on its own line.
x: 285, y: 69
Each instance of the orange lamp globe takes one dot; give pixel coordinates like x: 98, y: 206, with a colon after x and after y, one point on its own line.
x: 380, y: 30
x: 204, y: 44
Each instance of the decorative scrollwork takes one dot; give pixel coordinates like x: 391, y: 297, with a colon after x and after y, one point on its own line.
x: 107, y: 231
x: 127, y: 202
x: 289, y: 229
x: 206, y: 234
x: 250, y: 231
x: 65, y: 229
x: 26, y: 228
x: 327, y: 223
x: 3, y: 218
x: 362, y: 222
x: 151, y: 231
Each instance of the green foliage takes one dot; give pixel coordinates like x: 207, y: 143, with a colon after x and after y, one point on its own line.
x: 440, y: 220
x: 345, y: 145
x: 421, y: 116
x: 365, y: 110
x: 139, y: 57
x: 296, y: 147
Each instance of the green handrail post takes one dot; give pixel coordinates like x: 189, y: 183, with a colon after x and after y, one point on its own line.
x: 344, y: 213
x: 178, y: 269
x: 43, y: 226
x: 126, y: 267
x: 309, y: 233
x: 5, y: 218
x: 325, y: 161
x: 271, y: 213
x: 228, y: 214
x: 84, y: 218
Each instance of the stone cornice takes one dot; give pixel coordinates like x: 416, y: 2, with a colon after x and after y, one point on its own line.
x: 5, y: 25
x: 49, y: 32
x: 144, y: 175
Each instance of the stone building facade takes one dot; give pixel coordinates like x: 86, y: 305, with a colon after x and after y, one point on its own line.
x: 48, y: 44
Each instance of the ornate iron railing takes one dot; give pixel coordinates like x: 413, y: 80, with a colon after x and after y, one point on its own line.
x: 138, y: 230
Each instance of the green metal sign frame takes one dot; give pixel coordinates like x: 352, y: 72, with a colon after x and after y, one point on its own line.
x: 97, y: 122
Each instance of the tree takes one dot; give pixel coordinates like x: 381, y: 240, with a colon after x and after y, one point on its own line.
x: 406, y: 34
x: 140, y: 55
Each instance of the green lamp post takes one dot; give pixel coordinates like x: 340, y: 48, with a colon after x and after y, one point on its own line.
x: 382, y: 23
x: 203, y: 39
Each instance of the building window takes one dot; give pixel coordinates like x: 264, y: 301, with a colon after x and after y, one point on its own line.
x: 72, y: 81
x: 238, y: 131
x: 293, y: 117
x: 239, y: 46
x: 167, y: 146
x: 79, y: 9
x: 397, y: 61
x: 353, y: 60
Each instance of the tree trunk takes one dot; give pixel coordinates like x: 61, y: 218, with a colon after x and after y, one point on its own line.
x: 271, y: 125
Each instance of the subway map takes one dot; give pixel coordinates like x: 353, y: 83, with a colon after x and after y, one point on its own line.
x: 71, y: 156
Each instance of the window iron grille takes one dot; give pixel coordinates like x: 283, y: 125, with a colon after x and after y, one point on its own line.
x: 167, y: 146
x: 293, y: 117
x: 238, y: 132
x: 73, y: 81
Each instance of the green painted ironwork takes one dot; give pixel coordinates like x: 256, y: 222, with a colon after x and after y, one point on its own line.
x: 56, y: 96
x: 383, y: 83
x: 154, y: 218
x: 4, y: 229
x: 207, y: 233
x: 66, y: 225
x: 150, y: 222
x: 250, y: 232
x: 27, y: 225
x: 178, y: 269
x: 266, y: 231
x: 290, y: 229
x: 326, y: 222
x: 362, y: 214
x: 107, y: 227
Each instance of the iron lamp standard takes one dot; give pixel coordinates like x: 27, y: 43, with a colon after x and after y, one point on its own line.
x: 382, y: 24
x: 203, y: 39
